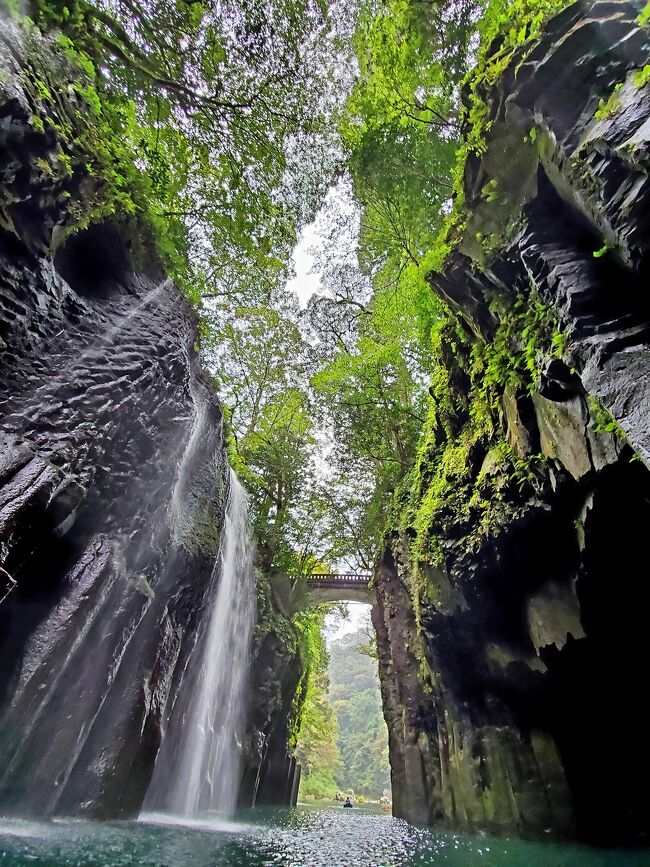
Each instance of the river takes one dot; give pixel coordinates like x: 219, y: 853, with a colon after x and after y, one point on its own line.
x: 304, y: 837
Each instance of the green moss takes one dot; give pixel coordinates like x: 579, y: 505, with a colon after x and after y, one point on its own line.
x: 466, y: 477
x: 204, y: 536
x: 602, y: 251
x: 528, y: 332
x: 488, y: 804
x: 602, y: 419
x: 97, y: 137
x: 608, y: 107
x: 644, y: 18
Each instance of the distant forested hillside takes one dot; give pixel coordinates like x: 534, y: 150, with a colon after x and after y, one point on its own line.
x: 355, y: 699
x: 344, y: 744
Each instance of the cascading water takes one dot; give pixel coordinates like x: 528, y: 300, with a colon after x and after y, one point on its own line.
x: 97, y: 631
x: 198, y: 766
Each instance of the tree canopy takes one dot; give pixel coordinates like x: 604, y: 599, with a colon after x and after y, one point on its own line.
x: 343, y: 745
x: 221, y: 106
x: 224, y: 127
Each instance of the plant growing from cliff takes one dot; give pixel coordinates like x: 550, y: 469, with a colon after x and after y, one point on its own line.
x: 527, y: 332
x: 642, y: 77
x: 464, y: 467
x: 602, y: 418
x: 644, y: 18
x: 308, y: 626
x: 602, y: 251
x: 608, y: 107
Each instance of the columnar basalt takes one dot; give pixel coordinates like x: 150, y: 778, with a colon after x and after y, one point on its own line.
x: 113, y: 485
x: 113, y: 479
x: 513, y: 654
x: 271, y: 775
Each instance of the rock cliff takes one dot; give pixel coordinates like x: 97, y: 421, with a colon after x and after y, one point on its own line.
x: 111, y: 499
x: 512, y: 613
x: 113, y: 476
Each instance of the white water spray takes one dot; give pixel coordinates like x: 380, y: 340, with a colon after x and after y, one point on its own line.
x: 204, y: 741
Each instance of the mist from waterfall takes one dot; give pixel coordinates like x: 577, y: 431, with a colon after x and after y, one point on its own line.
x: 198, y: 766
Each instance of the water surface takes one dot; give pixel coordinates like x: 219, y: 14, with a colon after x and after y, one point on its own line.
x: 279, y: 838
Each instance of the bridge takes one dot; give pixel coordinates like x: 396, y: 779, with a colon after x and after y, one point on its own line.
x: 340, y: 587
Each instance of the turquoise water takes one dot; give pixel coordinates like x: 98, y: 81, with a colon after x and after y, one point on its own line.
x: 303, y: 837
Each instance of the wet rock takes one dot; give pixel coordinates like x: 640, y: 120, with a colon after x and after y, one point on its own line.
x: 562, y: 429
x: 112, y: 490
x: 515, y: 408
x: 554, y: 616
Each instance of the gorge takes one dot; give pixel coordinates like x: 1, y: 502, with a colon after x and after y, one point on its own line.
x: 158, y: 639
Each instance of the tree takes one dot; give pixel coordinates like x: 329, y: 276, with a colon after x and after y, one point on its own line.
x: 257, y: 353
x: 277, y: 457
x: 401, y: 123
x: 375, y: 323
x: 213, y: 98
x: 356, y: 701
x: 316, y: 747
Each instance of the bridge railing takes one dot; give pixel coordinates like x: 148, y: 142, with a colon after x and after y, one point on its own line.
x: 348, y: 578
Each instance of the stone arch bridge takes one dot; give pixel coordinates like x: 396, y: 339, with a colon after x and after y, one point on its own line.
x: 340, y: 587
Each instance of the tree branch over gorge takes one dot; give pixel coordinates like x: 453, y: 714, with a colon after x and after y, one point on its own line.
x: 232, y: 115
x: 208, y: 99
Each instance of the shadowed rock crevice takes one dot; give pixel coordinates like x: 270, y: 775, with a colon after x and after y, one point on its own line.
x: 94, y: 262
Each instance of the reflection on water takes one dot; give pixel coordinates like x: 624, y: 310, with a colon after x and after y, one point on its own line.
x: 279, y: 838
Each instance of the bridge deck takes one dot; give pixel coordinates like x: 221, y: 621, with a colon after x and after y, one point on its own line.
x: 338, y: 579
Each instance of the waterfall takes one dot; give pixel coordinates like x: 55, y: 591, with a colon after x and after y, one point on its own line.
x: 199, y: 762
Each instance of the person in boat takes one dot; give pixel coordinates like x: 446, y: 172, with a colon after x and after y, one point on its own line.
x: 347, y: 802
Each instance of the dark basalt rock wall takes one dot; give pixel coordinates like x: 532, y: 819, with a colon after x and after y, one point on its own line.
x: 514, y: 694
x: 279, y: 675
x: 112, y: 490
x: 113, y: 484
x: 271, y: 775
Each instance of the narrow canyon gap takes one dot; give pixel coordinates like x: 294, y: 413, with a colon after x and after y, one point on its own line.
x: 510, y: 600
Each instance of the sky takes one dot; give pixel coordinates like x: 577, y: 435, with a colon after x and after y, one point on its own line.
x: 306, y: 282
x: 331, y: 234
x: 336, y: 627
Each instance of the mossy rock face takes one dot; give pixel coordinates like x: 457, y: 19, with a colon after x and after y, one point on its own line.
x: 199, y: 526
x: 500, y: 616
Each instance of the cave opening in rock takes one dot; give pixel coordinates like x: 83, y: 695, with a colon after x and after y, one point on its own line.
x: 94, y: 262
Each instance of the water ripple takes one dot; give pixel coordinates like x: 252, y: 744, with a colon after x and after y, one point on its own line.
x: 279, y: 838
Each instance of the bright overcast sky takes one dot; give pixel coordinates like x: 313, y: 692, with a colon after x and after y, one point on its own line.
x: 338, y: 204
x: 336, y: 627
x: 305, y: 283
